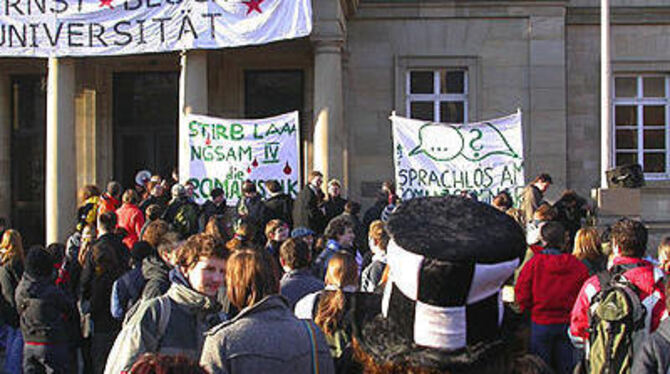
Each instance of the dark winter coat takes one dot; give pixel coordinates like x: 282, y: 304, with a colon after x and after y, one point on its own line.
x: 209, y: 209
x: 46, y: 312
x: 104, y: 263
x: 653, y: 357
x: 156, y: 273
x: 295, y: 284
x: 10, y: 275
x: 306, y: 211
x: 280, y: 207
x: 249, y: 342
x: 126, y: 291
x: 334, y: 207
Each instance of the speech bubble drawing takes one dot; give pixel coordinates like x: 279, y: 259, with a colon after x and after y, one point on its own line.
x: 485, y: 142
x: 439, y: 142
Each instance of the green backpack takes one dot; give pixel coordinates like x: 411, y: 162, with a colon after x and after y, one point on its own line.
x: 616, y: 324
x: 186, y: 220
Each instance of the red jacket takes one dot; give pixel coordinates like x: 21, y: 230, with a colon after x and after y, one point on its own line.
x: 131, y: 219
x: 108, y: 204
x: 647, y: 278
x: 548, y: 286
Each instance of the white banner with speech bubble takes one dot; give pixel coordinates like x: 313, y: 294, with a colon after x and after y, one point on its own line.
x: 223, y: 153
x: 435, y: 159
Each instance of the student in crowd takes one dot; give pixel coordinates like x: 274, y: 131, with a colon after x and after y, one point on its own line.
x: 243, y: 237
x: 110, y: 200
x: 278, y: 205
x: 216, y: 205
x: 46, y: 315
x: 106, y: 260
x: 307, y: 208
x: 297, y: 281
x: 307, y: 236
x: 156, y: 267
x: 130, y: 218
x: 653, y: 357
x: 350, y: 213
x: 628, y: 242
x: 251, y: 208
x: 543, y: 214
x: 11, y: 270
x: 89, y: 198
x: 276, y: 231
x: 334, y: 204
x: 331, y: 309
x: 588, y: 250
x: 533, y: 195
x: 177, y: 321
x: 217, y: 226
x: 547, y: 287
x: 152, y: 213
x: 663, y: 254
x: 340, y: 236
x: 156, y: 197
x: 150, y: 363
x: 127, y: 290
x: 378, y: 241
x: 265, y: 336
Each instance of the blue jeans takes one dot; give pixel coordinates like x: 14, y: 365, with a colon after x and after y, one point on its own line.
x: 551, y: 343
x: 14, y: 350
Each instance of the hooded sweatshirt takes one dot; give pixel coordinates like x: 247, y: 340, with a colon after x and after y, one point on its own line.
x: 548, y: 286
x: 156, y: 273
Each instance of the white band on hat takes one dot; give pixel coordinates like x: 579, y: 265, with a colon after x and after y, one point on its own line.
x: 488, y: 278
x: 439, y: 327
x: 404, y: 269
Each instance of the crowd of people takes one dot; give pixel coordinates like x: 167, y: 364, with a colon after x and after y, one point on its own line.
x: 153, y: 282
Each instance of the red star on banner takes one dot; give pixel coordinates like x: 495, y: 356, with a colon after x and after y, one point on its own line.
x: 252, y: 5
x: 106, y: 2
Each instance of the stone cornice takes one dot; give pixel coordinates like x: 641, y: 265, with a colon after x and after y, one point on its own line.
x: 620, y: 16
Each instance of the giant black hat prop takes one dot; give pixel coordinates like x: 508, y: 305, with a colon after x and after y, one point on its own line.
x: 442, y: 308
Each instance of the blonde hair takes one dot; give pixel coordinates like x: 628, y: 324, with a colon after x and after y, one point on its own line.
x: 664, y: 249
x: 587, y: 244
x: 342, y: 272
x: 378, y: 233
x: 11, y: 246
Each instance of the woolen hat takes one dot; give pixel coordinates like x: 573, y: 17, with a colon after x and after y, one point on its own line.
x: 448, y: 258
x: 300, y: 232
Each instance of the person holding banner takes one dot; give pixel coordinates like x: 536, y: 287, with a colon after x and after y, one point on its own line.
x: 307, y: 208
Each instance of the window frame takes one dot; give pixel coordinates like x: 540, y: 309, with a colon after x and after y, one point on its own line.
x: 639, y: 102
x: 437, y: 97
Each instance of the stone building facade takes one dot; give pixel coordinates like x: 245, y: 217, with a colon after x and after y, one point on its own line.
x: 68, y: 122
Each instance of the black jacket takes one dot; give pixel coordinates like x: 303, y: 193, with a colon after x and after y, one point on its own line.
x: 46, y: 312
x: 104, y: 263
x: 10, y: 275
x: 306, y: 212
x: 280, y: 207
x: 208, y: 210
x: 156, y: 273
x: 334, y: 207
x: 654, y: 355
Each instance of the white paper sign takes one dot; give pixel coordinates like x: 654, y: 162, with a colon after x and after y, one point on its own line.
x: 223, y: 153
x: 52, y: 28
x: 434, y: 159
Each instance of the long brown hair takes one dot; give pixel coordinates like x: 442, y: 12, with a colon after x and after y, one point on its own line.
x: 587, y: 244
x: 342, y: 272
x: 249, y: 277
x: 11, y: 246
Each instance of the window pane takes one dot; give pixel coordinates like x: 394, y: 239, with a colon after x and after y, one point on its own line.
x: 625, y: 115
x: 654, y: 115
x: 654, y: 139
x: 424, y: 110
x: 451, y: 111
x: 625, y: 87
x: 452, y: 82
x: 654, y: 162
x: 626, y: 158
x: 421, y: 82
x: 626, y: 139
x: 653, y: 86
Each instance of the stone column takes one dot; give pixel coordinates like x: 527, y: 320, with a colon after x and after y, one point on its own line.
x: 192, y: 94
x: 61, y: 175
x: 328, y: 109
x: 5, y: 146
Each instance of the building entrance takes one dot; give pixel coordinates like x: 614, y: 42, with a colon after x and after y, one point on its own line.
x: 146, y: 117
x: 28, y: 142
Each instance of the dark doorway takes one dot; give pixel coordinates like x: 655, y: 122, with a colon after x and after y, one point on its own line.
x: 269, y: 93
x: 146, y: 117
x: 28, y: 144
